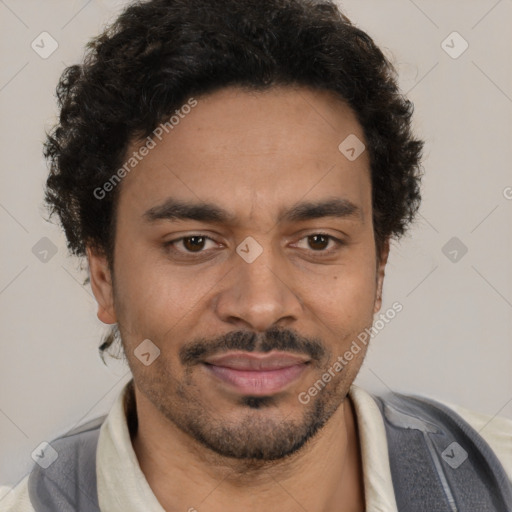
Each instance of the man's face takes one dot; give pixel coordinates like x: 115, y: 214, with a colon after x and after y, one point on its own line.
x: 261, y: 280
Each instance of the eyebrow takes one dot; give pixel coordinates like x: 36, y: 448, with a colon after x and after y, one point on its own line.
x: 174, y: 209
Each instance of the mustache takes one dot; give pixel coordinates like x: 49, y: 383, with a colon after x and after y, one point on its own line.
x: 249, y: 341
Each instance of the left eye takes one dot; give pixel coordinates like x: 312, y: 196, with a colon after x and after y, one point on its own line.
x: 318, y: 241
x: 192, y: 244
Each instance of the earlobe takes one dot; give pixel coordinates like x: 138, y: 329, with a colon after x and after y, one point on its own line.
x: 101, y: 284
x: 380, y: 275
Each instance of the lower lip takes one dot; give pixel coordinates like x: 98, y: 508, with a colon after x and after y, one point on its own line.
x: 257, y: 383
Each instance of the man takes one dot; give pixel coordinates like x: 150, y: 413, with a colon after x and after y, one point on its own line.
x: 234, y: 173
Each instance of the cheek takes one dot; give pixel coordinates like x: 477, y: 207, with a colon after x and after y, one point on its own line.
x: 153, y: 297
x: 347, y: 290
x: 346, y: 312
x: 143, y: 292
x: 349, y: 309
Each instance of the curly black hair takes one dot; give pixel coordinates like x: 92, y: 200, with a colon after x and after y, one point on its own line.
x: 159, y: 53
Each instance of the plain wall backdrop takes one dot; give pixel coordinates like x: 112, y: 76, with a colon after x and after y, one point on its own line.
x: 452, y: 340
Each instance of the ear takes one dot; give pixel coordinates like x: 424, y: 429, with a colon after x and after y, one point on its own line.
x: 101, y: 284
x: 380, y: 275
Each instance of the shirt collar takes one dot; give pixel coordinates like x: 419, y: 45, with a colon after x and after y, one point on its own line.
x: 123, y: 487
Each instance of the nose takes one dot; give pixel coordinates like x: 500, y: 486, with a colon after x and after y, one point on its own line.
x: 258, y: 295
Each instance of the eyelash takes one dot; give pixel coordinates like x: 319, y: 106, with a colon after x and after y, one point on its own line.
x: 320, y: 253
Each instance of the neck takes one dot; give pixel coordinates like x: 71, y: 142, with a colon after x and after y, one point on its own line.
x: 325, y: 475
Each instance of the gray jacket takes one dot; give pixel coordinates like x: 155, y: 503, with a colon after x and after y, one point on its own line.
x: 438, y: 463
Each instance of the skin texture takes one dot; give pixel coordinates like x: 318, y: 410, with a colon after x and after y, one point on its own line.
x: 253, y: 154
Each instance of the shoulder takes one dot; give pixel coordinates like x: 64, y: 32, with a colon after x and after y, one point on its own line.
x: 76, y: 448
x: 496, y: 431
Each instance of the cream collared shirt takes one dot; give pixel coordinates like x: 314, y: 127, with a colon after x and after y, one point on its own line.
x: 122, y: 487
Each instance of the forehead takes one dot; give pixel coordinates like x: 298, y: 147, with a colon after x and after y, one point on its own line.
x: 248, y: 149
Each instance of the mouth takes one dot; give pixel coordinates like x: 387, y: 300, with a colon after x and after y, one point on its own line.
x: 256, y: 374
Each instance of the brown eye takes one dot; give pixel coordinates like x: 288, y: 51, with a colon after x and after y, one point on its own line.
x: 321, y: 244
x: 318, y: 242
x: 194, y: 243
x: 189, y: 245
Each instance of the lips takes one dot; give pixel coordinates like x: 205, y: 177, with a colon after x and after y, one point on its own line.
x: 254, y: 373
x: 255, y: 361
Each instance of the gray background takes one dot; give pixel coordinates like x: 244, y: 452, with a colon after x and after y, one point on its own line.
x: 452, y: 341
